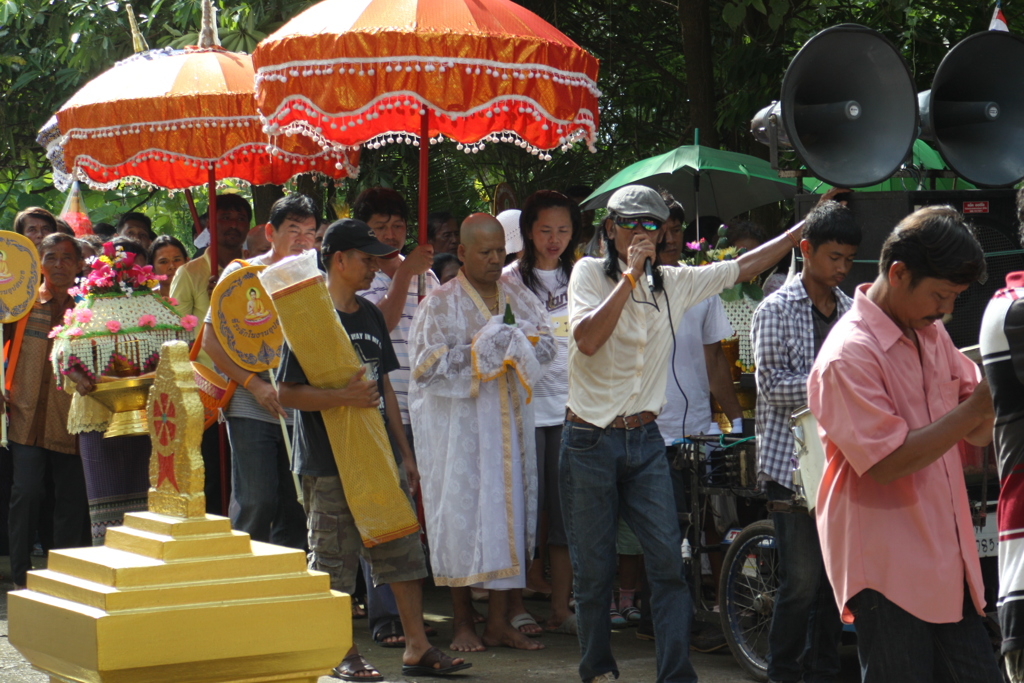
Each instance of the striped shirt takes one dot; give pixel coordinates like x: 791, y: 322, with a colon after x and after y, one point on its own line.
x: 1002, y: 350
x: 400, y: 335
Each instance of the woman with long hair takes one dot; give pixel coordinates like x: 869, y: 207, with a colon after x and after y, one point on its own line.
x: 550, y: 225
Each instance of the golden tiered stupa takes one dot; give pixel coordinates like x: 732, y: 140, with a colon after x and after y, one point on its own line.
x: 175, y: 595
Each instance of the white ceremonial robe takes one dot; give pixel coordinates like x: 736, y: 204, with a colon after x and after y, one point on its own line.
x: 474, y: 431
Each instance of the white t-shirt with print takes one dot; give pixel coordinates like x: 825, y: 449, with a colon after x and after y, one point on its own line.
x: 552, y: 390
x: 704, y: 323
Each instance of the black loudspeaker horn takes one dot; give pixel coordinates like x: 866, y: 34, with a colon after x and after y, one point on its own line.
x: 975, y: 109
x: 848, y: 107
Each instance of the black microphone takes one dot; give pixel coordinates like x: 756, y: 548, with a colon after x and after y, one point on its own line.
x: 650, y: 274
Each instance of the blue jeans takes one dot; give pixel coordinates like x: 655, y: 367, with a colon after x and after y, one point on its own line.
x: 605, y: 473
x: 894, y: 645
x: 268, y: 505
x: 803, y: 643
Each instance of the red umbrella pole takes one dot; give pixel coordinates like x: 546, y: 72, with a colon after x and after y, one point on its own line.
x: 195, y: 214
x: 424, y: 172
x: 211, y: 222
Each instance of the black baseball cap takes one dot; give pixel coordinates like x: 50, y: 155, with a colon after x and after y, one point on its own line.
x: 349, y: 233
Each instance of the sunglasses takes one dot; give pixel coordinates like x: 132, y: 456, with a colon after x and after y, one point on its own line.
x: 649, y: 224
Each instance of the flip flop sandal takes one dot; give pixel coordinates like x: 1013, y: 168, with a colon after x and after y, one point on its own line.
x: 389, y: 629
x: 433, y: 656
x: 631, y: 614
x: 525, y: 619
x: 618, y: 621
x: 353, y: 665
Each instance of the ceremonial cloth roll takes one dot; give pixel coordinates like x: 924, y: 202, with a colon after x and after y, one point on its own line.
x: 358, y: 437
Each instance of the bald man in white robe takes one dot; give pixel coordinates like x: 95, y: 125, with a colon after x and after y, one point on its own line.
x: 472, y: 375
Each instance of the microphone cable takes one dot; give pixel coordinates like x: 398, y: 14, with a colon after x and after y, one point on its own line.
x: 675, y: 377
x: 672, y: 335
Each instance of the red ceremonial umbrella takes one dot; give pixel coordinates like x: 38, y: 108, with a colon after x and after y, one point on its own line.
x: 355, y: 72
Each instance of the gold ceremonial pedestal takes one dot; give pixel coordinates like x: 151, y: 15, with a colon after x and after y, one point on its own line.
x: 176, y: 596
x: 126, y: 399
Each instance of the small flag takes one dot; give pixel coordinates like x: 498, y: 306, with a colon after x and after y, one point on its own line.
x: 998, y: 22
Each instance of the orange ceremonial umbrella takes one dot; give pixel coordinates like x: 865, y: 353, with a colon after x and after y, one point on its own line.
x: 355, y: 72
x: 177, y: 119
x: 170, y: 118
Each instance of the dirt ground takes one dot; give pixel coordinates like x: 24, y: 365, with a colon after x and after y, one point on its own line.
x: 557, y: 662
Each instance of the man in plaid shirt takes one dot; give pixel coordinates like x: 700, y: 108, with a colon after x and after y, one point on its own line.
x: 786, y: 333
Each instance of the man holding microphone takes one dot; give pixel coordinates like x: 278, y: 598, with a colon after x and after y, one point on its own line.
x: 622, y: 316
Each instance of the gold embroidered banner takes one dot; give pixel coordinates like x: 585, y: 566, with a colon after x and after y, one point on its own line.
x: 358, y: 437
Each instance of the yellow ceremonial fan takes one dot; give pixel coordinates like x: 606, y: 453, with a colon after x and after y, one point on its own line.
x: 245, y: 320
x: 19, y: 283
x: 19, y: 276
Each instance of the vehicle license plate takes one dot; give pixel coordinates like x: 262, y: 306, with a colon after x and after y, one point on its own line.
x: 987, y: 537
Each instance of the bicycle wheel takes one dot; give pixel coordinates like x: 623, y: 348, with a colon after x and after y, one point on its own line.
x: 747, y: 589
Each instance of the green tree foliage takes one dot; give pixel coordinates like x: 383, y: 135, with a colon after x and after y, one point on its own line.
x: 49, y: 48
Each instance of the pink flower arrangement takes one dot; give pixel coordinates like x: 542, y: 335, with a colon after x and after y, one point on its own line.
x: 75, y: 332
x: 189, y: 322
x: 171, y: 300
x: 57, y: 330
x: 83, y: 315
x: 116, y: 272
x: 113, y: 325
x: 147, y: 320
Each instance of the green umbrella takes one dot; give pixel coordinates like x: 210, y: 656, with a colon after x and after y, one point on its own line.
x: 706, y: 181
x: 924, y: 158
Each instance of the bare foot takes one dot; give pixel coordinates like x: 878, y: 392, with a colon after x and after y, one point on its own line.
x: 510, y: 637
x: 535, y: 582
x: 436, y: 660
x: 556, y: 619
x: 465, y: 639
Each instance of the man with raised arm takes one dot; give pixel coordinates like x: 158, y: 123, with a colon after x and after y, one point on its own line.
x: 613, y: 456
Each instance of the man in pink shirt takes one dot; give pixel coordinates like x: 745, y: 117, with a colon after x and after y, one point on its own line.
x: 893, y: 397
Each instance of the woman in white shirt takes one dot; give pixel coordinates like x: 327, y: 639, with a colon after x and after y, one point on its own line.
x: 550, y: 225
